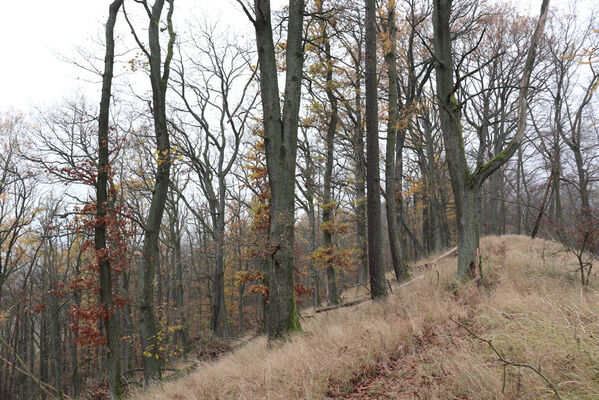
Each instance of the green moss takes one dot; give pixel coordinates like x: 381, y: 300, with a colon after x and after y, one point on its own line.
x: 293, y: 324
x: 500, y: 158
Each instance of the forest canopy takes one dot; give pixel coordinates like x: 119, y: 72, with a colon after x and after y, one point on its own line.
x: 218, y: 181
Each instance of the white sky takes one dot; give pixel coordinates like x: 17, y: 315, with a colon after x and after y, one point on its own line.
x: 36, y: 34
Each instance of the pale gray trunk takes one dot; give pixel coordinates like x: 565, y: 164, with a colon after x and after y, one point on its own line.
x: 313, y: 270
x: 519, y: 173
x: 311, y: 211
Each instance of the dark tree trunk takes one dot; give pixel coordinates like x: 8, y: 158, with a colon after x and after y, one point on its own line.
x: 378, y: 282
x: 55, y: 345
x: 175, y: 235
x: 360, y: 182
x: 280, y: 139
x: 466, y: 185
x: 400, y: 267
x: 111, y: 321
x: 328, y: 206
x: 219, y: 323
x: 159, y: 75
x: 43, y: 355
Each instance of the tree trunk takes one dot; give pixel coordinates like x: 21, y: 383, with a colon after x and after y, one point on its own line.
x: 465, y: 184
x: 313, y: 270
x: 328, y: 206
x: 159, y: 79
x: 400, y: 267
x: 55, y: 345
x: 280, y: 139
x: 176, y: 237
x: 43, y: 356
x: 468, y: 224
x: 111, y: 320
x: 311, y: 211
x: 219, y: 316
x: 378, y: 282
x: 360, y: 181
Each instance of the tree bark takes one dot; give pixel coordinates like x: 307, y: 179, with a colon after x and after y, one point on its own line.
x: 111, y: 320
x: 219, y: 316
x: 360, y: 182
x: 328, y: 206
x: 465, y: 184
x: 400, y: 267
x: 280, y: 139
x: 159, y: 75
x: 378, y: 282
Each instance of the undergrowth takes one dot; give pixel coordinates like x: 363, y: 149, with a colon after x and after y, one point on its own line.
x: 408, y: 347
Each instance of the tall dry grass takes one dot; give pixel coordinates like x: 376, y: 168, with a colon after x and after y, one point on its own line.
x: 533, y: 312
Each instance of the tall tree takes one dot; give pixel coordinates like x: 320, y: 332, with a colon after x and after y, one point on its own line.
x: 221, y: 103
x: 378, y: 288
x: 110, y: 319
x: 328, y: 204
x: 159, y: 76
x: 399, y: 265
x: 466, y: 184
x: 280, y: 142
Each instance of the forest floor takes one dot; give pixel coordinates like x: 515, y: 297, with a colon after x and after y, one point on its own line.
x: 427, y: 342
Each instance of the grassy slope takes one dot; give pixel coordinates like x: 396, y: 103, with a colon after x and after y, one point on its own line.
x: 407, y: 347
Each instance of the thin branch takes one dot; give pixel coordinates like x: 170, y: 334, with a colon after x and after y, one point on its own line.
x: 507, y: 362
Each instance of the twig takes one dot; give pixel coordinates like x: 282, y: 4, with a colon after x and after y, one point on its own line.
x: 507, y: 362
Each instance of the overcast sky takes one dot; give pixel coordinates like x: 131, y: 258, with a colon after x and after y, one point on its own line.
x: 37, y: 35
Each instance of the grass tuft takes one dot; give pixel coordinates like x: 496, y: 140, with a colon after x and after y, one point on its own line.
x: 408, y: 347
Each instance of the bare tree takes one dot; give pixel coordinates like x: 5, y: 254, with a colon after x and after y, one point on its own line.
x: 399, y: 265
x: 110, y: 320
x: 217, y: 92
x: 466, y: 184
x: 159, y: 77
x: 378, y: 284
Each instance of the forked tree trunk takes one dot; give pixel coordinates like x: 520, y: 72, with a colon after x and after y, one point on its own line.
x: 280, y: 140
x: 159, y: 75
x: 466, y: 185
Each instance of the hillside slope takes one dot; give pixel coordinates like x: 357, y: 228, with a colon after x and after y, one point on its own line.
x: 413, y: 347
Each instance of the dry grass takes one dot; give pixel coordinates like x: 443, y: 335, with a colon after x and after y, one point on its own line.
x: 407, y: 347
